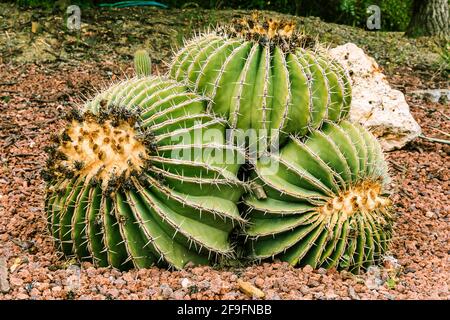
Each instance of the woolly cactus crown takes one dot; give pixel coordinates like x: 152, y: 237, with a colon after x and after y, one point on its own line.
x: 267, y: 31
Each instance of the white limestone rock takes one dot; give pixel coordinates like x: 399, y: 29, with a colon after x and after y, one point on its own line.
x: 375, y: 104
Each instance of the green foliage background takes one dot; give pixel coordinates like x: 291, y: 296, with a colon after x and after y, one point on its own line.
x: 395, y: 14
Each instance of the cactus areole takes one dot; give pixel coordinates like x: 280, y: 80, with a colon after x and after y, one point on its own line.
x: 261, y: 75
x: 128, y: 187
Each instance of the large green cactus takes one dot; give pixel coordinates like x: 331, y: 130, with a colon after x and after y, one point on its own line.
x: 259, y: 76
x: 132, y: 181
x: 322, y: 201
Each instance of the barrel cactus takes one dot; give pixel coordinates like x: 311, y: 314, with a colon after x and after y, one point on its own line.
x: 324, y: 203
x: 260, y: 75
x: 130, y: 183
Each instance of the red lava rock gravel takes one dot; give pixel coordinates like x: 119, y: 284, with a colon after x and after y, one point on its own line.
x: 31, y: 101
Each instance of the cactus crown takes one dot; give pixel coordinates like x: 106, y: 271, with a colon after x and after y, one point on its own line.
x: 105, y: 149
x: 267, y: 31
x: 363, y: 197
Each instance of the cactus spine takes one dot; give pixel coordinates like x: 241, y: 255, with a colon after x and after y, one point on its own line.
x: 259, y: 77
x: 127, y: 185
x: 325, y: 204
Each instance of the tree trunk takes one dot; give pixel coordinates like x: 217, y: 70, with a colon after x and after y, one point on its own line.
x: 430, y: 18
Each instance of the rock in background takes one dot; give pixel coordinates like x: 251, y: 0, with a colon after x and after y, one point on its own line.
x: 374, y: 103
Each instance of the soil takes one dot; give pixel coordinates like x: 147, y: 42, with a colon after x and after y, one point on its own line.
x: 35, y: 90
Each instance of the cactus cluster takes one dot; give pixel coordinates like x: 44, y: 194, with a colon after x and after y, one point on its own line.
x: 260, y: 75
x: 133, y: 181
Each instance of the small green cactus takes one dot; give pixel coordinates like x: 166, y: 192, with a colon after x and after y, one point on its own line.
x: 324, y: 203
x: 142, y: 63
x: 127, y: 186
x: 260, y: 76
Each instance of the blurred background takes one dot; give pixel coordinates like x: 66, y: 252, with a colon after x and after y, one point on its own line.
x: 396, y: 13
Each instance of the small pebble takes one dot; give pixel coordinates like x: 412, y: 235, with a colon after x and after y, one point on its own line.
x: 307, y: 269
x: 322, y: 271
x: 429, y: 214
x: 185, y: 283
x: 166, y: 291
x: 259, y: 282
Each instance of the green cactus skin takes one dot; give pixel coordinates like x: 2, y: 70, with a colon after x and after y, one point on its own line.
x: 262, y: 78
x: 142, y: 63
x: 118, y: 196
x: 325, y: 206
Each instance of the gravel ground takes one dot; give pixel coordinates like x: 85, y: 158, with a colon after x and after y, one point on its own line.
x: 32, y: 98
